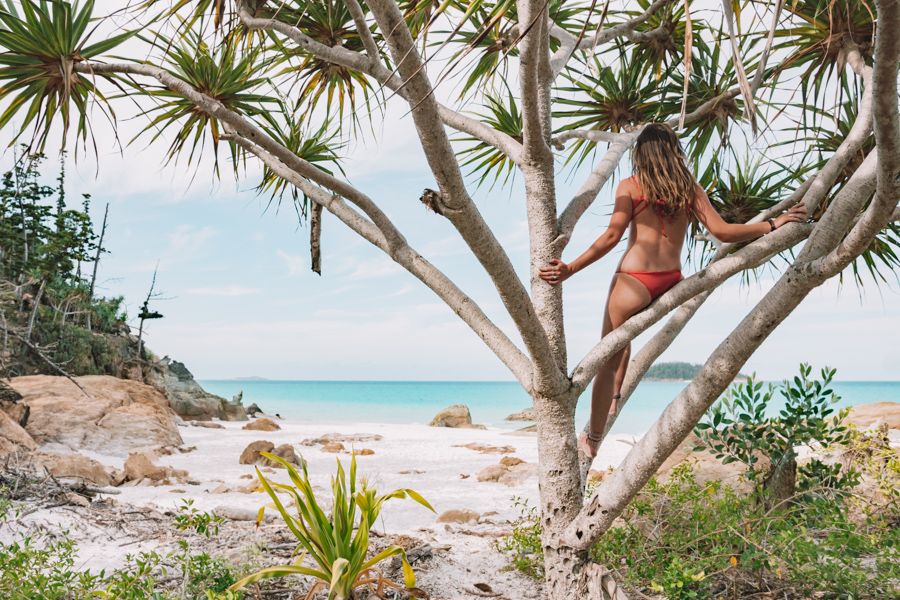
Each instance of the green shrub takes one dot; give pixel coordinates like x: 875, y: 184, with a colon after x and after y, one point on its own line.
x: 687, y: 540
x: 338, y: 554
x: 42, y: 565
x: 736, y: 429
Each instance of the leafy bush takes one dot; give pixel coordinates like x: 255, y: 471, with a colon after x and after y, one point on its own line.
x: 736, y: 428
x: 688, y: 540
x: 43, y: 565
x: 338, y: 554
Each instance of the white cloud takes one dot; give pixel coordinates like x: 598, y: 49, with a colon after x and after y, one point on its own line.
x: 228, y: 290
x: 296, y: 264
x: 187, y: 239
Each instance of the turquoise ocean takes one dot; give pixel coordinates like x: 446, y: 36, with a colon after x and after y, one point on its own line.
x: 489, y: 401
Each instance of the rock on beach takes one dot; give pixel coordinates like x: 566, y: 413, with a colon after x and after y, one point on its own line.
x: 110, y: 415
x: 455, y: 415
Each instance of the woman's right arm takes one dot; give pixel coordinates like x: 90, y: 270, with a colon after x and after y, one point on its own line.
x: 740, y: 232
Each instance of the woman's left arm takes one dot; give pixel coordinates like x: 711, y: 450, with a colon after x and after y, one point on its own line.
x: 558, y: 271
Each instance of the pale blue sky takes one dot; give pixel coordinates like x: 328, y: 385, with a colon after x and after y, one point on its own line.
x: 242, y: 301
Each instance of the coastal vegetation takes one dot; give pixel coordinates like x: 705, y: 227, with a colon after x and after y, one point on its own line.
x: 50, y: 315
x: 828, y: 532
x: 288, y: 84
x: 336, y: 541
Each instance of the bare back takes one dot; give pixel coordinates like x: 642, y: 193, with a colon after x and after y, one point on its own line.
x: 654, y: 242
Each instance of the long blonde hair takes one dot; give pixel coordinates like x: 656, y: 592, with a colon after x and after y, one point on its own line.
x: 660, y: 168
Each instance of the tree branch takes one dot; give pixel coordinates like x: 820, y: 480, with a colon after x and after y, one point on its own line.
x: 457, y: 206
x: 409, y: 259
x: 339, y: 55
x: 704, y: 280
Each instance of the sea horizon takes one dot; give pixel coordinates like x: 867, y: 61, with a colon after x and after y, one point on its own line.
x: 490, y: 402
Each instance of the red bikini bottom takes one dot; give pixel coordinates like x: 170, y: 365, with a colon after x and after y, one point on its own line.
x: 656, y: 282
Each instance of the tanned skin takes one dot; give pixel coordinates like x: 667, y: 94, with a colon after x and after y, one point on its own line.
x: 648, y: 251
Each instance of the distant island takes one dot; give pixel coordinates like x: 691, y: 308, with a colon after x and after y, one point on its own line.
x: 678, y: 371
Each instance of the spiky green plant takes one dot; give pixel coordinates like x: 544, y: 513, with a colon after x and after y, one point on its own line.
x: 607, y: 99
x: 819, y: 35
x: 43, y: 42
x: 316, y: 145
x: 337, y: 543
x: 486, y: 160
x: 225, y: 74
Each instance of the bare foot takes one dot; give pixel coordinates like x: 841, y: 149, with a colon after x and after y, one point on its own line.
x: 588, y: 444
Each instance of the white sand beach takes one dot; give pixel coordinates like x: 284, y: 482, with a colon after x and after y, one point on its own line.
x: 430, y: 460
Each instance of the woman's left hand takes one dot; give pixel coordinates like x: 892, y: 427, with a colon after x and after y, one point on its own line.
x: 556, y: 272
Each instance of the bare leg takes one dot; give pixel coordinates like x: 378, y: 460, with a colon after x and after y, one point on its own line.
x: 627, y: 297
x: 619, y: 380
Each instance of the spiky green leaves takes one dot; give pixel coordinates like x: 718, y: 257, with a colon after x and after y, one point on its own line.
x: 42, y: 43
x: 232, y: 77
x: 819, y: 36
x: 485, y: 160
x: 336, y: 542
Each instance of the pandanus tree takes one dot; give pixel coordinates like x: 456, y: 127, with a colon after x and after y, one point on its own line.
x: 539, y: 86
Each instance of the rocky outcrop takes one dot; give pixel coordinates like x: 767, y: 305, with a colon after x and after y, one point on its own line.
x: 262, y: 424
x: 510, y: 471
x: 74, y: 466
x: 455, y: 415
x: 187, y: 398
x: 486, y: 448
x: 285, y: 451
x: 139, y: 466
x: 108, y: 415
x: 352, y: 438
x: 458, y: 515
x: 11, y: 404
x: 251, y: 453
x: 705, y: 465
x: 524, y: 415
x: 875, y: 414
x: 13, y: 438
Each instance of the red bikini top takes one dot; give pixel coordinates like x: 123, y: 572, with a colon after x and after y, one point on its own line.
x: 642, y: 202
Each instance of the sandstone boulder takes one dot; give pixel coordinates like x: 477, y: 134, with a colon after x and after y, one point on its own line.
x: 527, y: 414
x: 875, y: 414
x: 486, y: 448
x: 262, y: 424
x: 251, y: 455
x: 458, y: 515
x: 510, y: 471
x: 455, y: 415
x: 351, y: 438
x: 13, y: 438
x: 187, y: 398
x: 111, y: 415
x: 333, y: 447
x: 139, y: 466
x: 11, y: 404
x: 491, y: 473
x: 705, y: 465
x: 75, y: 466
x: 285, y: 451
x: 364, y: 452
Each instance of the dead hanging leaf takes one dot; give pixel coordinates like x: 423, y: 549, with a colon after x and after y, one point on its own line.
x: 315, y: 238
x: 743, y: 83
x: 688, y: 49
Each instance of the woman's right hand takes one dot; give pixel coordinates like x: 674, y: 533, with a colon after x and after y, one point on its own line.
x: 797, y: 214
x: 555, y: 272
